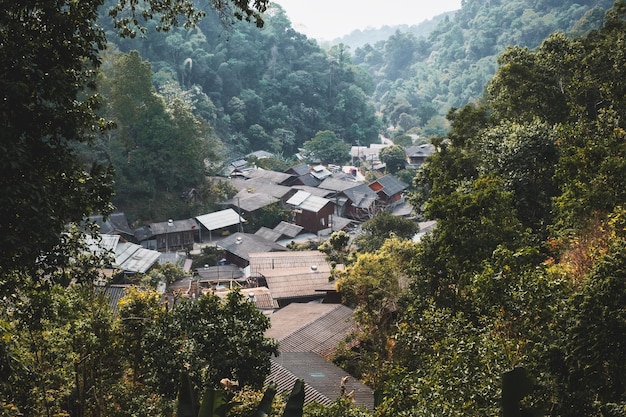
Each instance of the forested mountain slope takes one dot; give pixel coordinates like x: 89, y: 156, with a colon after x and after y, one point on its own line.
x: 418, y: 79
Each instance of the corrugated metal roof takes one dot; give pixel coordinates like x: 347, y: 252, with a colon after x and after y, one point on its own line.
x: 391, y: 185
x: 288, y: 229
x: 176, y: 226
x: 361, y: 196
x: 298, y: 198
x: 268, y: 234
x: 261, y: 261
x: 321, y: 376
x: 305, y: 201
x: 242, y: 244
x: 314, y: 203
x: 295, y: 283
x: 133, y: 258
x: 220, y: 219
x: 285, y: 381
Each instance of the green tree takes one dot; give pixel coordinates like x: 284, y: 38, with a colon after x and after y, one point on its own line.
x: 212, y: 339
x: 382, y: 227
x: 47, y: 81
x: 327, y: 148
x: 394, y: 157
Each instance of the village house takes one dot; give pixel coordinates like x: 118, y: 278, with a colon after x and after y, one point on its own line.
x: 311, y: 212
x: 308, y: 334
x: 172, y: 235
x: 390, y: 191
x: 238, y: 247
x: 219, y: 223
x: 291, y: 276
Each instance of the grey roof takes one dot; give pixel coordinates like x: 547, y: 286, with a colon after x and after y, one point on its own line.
x: 320, y: 172
x: 242, y: 244
x: 130, y: 257
x: 306, y: 201
x: 361, y: 196
x: 425, y: 149
x: 339, y: 183
x: 308, y: 180
x: 219, y: 272
x: 268, y: 234
x: 391, y: 185
x: 115, y: 223
x: 299, y: 169
x: 113, y: 294
x: 220, y: 219
x: 143, y: 233
x: 176, y: 227
x: 269, y: 176
x: 288, y: 229
x: 320, y: 192
x: 285, y: 381
x: 340, y: 223
x: 322, y: 377
x: 250, y: 202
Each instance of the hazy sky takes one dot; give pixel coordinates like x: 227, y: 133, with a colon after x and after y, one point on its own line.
x: 330, y: 19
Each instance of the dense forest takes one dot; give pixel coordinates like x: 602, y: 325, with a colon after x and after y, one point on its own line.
x: 525, y: 270
x: 419, y: 78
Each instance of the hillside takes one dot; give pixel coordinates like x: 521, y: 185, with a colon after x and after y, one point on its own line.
x: 418, y: 79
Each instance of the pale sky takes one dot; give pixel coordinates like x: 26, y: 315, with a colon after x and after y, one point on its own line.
x: 330, y: 19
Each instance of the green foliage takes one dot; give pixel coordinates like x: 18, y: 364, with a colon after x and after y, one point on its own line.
x: 394, y: 158
x: 418, y: 79
x: 166, y: 273
x: 47, y: 81
x: 382, y: 227
x: 327, y: 148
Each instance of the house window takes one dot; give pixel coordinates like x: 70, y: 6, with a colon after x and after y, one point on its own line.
x: 323, y: 221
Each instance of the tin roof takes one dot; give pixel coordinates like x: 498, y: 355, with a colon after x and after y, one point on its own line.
x: 242, y: 244
x: 306, y: 201
x: 134, y: 258
x: 220, y: 219
x: 175, y: 226
x: 288, y: 229
x: 322, y: 379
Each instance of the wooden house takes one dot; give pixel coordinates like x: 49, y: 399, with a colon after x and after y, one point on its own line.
x: 174, y: 235
x: 390, y: 191
x: 311, y: 212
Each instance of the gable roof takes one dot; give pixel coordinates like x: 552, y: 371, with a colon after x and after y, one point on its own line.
x: 322, y: 379
x: 390, y: 185
x: 243, y: 244
x: 130, y: 257
x: 220, y: 219
x: 339, y: 182
x: 306, y: 201
x: 423, y: 150
x: 311, y: 327
x: 288, y: 229
x: 306, y: 333
x: 298, y: 170
x: 273, y: 177
x: 115, y: 223
x: 268, y: 234
x: 361, y: 196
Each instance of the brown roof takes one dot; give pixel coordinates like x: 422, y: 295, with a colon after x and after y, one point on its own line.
x: 281, y: 260
x: 310, y: 327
